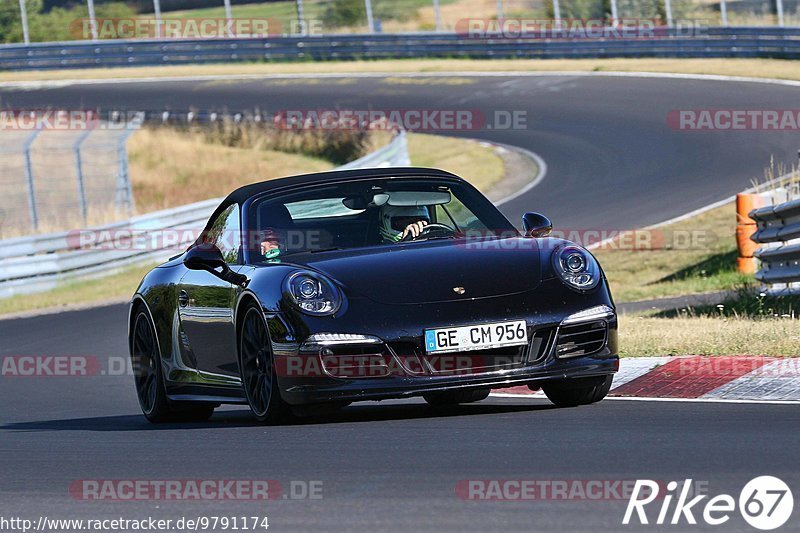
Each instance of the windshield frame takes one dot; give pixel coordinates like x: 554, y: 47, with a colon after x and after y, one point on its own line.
x: 494, y: 219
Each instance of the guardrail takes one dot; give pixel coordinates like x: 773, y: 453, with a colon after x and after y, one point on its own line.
x: 779, y: 233
x: 41, y: 262
x: 704, y: 42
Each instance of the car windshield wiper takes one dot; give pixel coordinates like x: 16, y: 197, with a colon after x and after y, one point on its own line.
x: 439, y: 238
x: 300, y: 252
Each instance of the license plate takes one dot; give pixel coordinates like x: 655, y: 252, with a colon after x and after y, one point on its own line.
x: 480, y: 337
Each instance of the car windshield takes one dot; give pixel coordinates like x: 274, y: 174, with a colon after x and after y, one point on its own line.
x: 368, y: 213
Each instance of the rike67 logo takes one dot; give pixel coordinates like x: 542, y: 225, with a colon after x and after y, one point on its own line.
x: 765, y: 503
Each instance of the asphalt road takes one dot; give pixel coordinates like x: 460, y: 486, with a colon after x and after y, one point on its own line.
x: 390, y: 466
x: 613, y: 163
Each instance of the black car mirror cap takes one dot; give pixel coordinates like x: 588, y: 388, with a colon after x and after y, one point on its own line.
x: 536, y: 225
x: 208, y: 257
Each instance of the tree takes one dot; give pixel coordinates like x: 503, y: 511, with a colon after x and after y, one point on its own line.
x: 59, y: 24
x: 345, y: 13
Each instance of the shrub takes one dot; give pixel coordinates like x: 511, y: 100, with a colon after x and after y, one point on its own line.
x: 58, y: 24
x: 345, y: 13
x: 337, y: 146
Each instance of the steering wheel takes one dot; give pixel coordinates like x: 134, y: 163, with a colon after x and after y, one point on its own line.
x: 432, y: 228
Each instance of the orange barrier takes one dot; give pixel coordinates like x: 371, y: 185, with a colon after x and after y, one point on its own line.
x: 745, y: 227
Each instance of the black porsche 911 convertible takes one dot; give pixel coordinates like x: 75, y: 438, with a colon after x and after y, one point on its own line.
x: 311, y: 292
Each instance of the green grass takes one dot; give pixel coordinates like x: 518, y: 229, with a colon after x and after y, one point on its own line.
x: 746, y: 323
x: 478, y: 164
x: 693, y: 256
x: 59, y: 24
x: 110, y: 288
x: 746, y: 301
x: 708, y: 335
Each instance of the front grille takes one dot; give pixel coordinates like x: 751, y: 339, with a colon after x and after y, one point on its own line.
x: 418, y: 362
x: 581, y: 339
x: 475, y: 361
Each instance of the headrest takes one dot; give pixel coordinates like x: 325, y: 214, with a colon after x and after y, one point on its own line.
x: 274, y: 216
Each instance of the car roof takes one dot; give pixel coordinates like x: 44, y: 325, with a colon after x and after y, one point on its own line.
x: 242, y: 194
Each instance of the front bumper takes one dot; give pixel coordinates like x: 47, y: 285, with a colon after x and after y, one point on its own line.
x: 397, y: 330
x: 345, y: 369
x: 340, y: 390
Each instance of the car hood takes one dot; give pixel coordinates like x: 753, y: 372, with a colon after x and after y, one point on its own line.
x: 430, y: 272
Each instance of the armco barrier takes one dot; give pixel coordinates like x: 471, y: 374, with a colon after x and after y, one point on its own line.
x: 779, y: 231
x: 705, y: 42
x: 40, y: 262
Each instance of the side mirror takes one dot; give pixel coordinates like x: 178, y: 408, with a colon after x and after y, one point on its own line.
x: 536, y: 225
x: 208, y: 257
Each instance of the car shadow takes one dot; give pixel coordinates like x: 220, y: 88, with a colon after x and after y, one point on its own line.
x: 411, y: 411
x: 124, y: 423
x: 241, y: 418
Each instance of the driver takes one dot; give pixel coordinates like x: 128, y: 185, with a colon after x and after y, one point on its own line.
x: 398, y: 222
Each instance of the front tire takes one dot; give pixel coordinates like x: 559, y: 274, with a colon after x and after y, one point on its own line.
x: 149, y: 379
x: 257, y: 368
x: 581, y: 391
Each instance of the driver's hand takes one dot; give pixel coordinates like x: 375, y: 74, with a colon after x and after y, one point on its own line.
x: 414, y: 229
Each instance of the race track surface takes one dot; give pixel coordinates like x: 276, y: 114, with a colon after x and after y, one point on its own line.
x: 613, y: 163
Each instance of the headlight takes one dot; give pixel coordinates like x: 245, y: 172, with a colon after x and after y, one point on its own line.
x: 576, y: 267
x: 312, y: 294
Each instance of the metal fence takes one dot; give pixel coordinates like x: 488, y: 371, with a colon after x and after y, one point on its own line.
x: 748, y: 42
x: 41, y: 262
x: 778, y: 234
x: 52, y: 177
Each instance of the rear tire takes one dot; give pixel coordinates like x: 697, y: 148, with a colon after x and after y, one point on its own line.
x: 580, y: 391
x: 257, y: 368
x: 149, y: 379
x: 449, y: 398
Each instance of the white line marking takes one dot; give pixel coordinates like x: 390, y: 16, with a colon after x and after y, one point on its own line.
x: 698, y: 211
x: 499, y: 74
x: 540, y: 163
x: 634, y: 367
x: 720, y: 203
x: 645, y: 399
